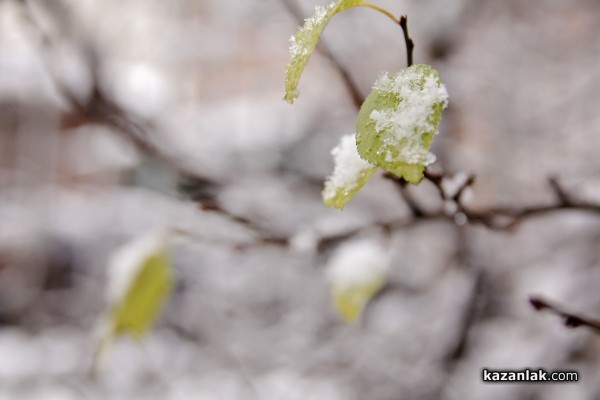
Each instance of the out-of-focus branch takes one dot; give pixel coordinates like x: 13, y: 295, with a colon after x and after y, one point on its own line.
x: 402, y: 185
x: 496, y: 218
x: 99, y: 108
x: 263, y: 237
x: 468, y: 318
x: 570, y: 319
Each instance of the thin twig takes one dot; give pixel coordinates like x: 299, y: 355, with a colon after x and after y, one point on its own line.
x: 410, y: 45
x: 570, y: 319
x: 436, y: 179
x: 495, y: 218
x: 509, y: 218
x: 263, y: 236
x: 563, y: 197
x: 469, y: 316
x: 402, y: 186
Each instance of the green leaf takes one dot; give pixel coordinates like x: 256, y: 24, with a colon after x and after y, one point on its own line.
x: 350, y: 174
x: 398, y: 120
x: 142, y: 285
x: 305, y: 40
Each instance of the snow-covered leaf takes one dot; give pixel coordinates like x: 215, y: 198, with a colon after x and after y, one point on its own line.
x: 303, y: 43
x: 140, y: 279
x: 398, y: 120
x: 356, y: 272
x: 350, y: 174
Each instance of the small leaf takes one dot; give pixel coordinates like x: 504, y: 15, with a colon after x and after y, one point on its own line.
x: 398, y: 120
x: 139, y: 282
x: 350, y: 174
x: 356, y: 271
x: 303, y: 43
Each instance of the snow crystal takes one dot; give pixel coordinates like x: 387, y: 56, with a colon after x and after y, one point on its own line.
x: 302, y: 45
x: 306, y: 34
x: 419, y: 94
x: 348, y: 171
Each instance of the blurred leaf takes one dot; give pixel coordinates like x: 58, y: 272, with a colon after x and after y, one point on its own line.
x: 398, y: 120
x: 350, y: 174
x: 350, y: 302
x: 141, y: 286
x: 356, y: 271
x: 305, y: 40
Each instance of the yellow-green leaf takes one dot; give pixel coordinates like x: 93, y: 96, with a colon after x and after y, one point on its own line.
x: 350, y: 174
x: 304, y: 42
x: 351, y: 301
x: 356, y: 272
x: 142, y: 279
x: 398, y: 120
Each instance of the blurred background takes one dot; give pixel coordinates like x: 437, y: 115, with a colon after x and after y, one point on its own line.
x: 121, y: 117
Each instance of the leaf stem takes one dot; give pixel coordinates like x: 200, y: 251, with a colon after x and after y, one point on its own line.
x: 381, y: 10
x: 402, y: 21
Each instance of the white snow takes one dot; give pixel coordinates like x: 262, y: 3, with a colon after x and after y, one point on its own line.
x: 412, y: 116
x: 348, y: 167
x: 314, y: 22
x: 357, y: 263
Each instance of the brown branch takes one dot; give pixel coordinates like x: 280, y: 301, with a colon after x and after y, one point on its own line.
x: 507, y: 218
x: 570, y: 319
x: 436, y: 178
x: 561, y: 194
x: 468, y: 319
x: 496, y: 218
x: 410, y: 45
x: 263, y: 237
x: 457, y: 197
x: 402, y: 185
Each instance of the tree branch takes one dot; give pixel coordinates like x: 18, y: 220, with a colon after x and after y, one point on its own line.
x: 410, y: 45
x: 570, y: 320
x: 496, y: 218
